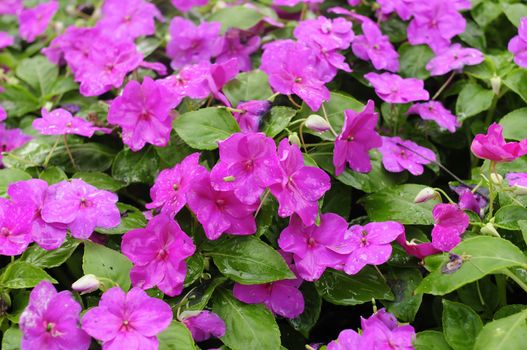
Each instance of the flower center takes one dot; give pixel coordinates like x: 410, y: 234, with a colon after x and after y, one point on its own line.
x: 298, y: 80
x: 69, y: 125
x: 376, y: 47
x: 5, y: 232
x: 125, y: 326
x: 248, y: 165
x: 85, y: 203
x: 163, y: 254
x: 220, y: 203
x: 175, y: 187
x: 311, y: 242
x: 144, y: 115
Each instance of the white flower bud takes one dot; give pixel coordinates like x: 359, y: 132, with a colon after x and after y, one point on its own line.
x: 496, y: 178
x: 426, y: 194
x: 86, y: 284
x: 520, y: 190
x: 495, y: 83
x: 293, y: 138
x: 490, y: 230
x: 317, y: 123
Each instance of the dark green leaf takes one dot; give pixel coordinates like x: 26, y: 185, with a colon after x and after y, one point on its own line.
x: 38, y: 73
x: 514, y: 12
x: 37, y: 256
x: 473, y: 99
x: 108, y: 263
x: 21, y: 274
x: 509, y: 333
x: 312, y: 306
x: 247, y: 86
x: 52, y: 175
x: 240, y: 17
x: 8, y: 176
x: 11, y: 339
x: 461, y: 325
x: 18, y: 101
x: 403, y: 283
x: 131, y: 167
x: 413, y: 60
x: 431, y: 340
x: 507, y: 217
x: 515, y: 124
x: 278, y: 120
x: 176, y: 337
x: 131, y: 218
x: 100, y: 180
x: 516, y: 80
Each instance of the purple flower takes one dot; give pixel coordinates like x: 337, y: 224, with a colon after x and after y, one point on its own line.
x: 392, y: 88
x: 190, y: 81
x: 204, y: 325
x: 73, y: 46
x: 186, y: 5
x: 434, y: 110
x: 325, y: 33
x: 193, y: 44
x: 15, y: 226
x: 493, y: 146
x: 3, y: 114
x: 61, y: 122
x: 403, y: 8
x: 158, y: 253
x: 470, y: 201
x: 253, y: 111
x: 6, y: 40
x: 143, y: 112
x: 419, y: 250
x: 450, y: 223
x: 518, y: 44
x: 381, y: 331
x: 399, y: 154
x: 81, y: 206
x: 248, y: 164
x: 220, y: 211
x: 51, y: 321
x: 358, y: 136
x: 300, y: 187
x: 348, y: 339
x: 517, y: 179
x: 315, y: 248
x: 454, y: 58
x: 127, y: 320
x: 34, y: 21
x: 11, y: 7
x: 239, y: 45
x: 374, y: 46
x: 292, y: 3
x: 11, y: 139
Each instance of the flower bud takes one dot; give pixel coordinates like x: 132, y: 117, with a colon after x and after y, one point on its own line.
x: 317, y: 123
x: 490, y: 230
x: 520, y: 190
x: 293, y: 138
x: 426, y: 194
x: 496, y: 178
x: 86, y: 284
x: 495, y: 83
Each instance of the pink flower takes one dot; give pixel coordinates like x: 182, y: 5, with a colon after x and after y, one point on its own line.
x: 127, y: 320
x: 399, y: 154
x: 248, y: 164
x: 348, y: 339
x: 300, y: 187
x: 193, y: 44
x: 220, y: 211
x: 517, y: 179
x: 454, y: 58
x: 470, y: 201
x: 450, y: 223
x: 81, y: 206
x: 34, y: 21
x: 370, y: 244
x: 292, y: 3
x: 158, y: 253
x: 61, y: 122
x: 239, y: 45
x: 492, y: 146
x: 143, y: 112
x: 374, y: 46
x: 190, y: 81
x: 518, y: 44
x: 358, y: 136
x: 403, y: 8
x: 325, y: 33
x: 186, y: 5
x: 11, y: 139
x: 11, y: 7
x: 381, y: 331
x: 51, y: 321
x: 250, y: 119
x: 315, y: 248
x: 3, y: 114
x: 15, y: 227
x: 392, y: 88
x: 204, y: 325
x: 32, y: 193
x: 6, y: 40
x: 434, y: 110
x: 73, y: 46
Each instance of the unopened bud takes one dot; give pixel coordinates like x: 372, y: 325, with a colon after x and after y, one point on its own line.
x: 496, y: 178
x: 426, y: 194
x: 294, y: 139
x: 520, y: 190
x: 229, y: 178
x: 317, y: 123
x: 490, y: 230
x: 495, y: 82
x: 86, y: 284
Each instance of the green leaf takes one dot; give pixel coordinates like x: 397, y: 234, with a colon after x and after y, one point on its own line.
x: 133, y: 167
x: 100, y: 180
x: 507, y: 217
x: 8, y: 176
x: 342, y: 289
x: 403, y: 283
x: 509, y: 333
x: 52, y: 175
x: 431, y: 340
x: 486, y: 12
x: 483, y: 255
x: 20, y: 274
x: 247, y: 86
x: 312, y: 306
x: 18, y: 101
x: 203, y: 129
x: 413, y: 60
x: 176, y: 337
x: 278, y: 120
x: 516, y: 80
x: 514, y: 12
x: 195, y: 267
x: 474, y: 36
x: 523, y: 227
x: 37, y: 256
x: 199, y: 297
x: 248, y: 327
x: 38, y: 73
x: 88, y: 157
x: 515, y: 124
x: 174, y: 152
x: 473, y: 99
x: 240, y: 17
x: 131, y: 218
x: 248, y: 260
x: 11, y: 339
x: 461, y: 325
x: 397, y: 204
x: 108, y: 263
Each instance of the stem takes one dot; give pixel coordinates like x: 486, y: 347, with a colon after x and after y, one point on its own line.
x: 300, y: 132
x: 491, y: 188
x: 380, y: 273
x: 502, y: 290
x: 293, y: 102
x: 481, y: 300
x: 444, y: 194
x: 443, y: 87
x: 491, y: 110
x: 396, y: 122
x: 319, y: 144
x: 327, y: 119
x: 261, y: 203
x: 303, y: 12
x: 48, y: 157
x: 272, y: 97
x: 515, y: 278
x: 69, y: 152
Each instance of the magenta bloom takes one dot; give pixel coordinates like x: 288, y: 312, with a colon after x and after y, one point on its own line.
x: 454, y: 58
x: 470, y: 201
x: 517, y: 179
x: 358, y: 136
x: 81, y: 206
x: 518, y: 44
x: 326, y: 33
x: 239, y: 45
x: 204, y: 325
x: 374, y: 46
x: 291, y: 68
x: 220, y: 211
x: 6, y: 40
x: 392, y: 88
x: 127, y: 320
x: 11, y: 7
x: 11, y: 139
x: 248, y: 164
x: 348, y: 339
x: 186, y: 5
x: 73, y: 46
x: 193, y: 44
x: 492, y: 146
x: 291, y: 3
x: 381, y: 331
x: 15, y: 227
x: 34, y: 21
x: 32, y: 193
x: 3, y: 114
x: 129, y: 19
x: 191, y: 81
x: 61, y: 122
x: 158, y: 253
x: 143, y: 112
x: 51, y: 321
x: 434, y: 110
x: 253, y: 111
x: 300, y: 187
x: 315, y: 248
x: 419, y: 250
x: 399, y: 154
x: 450, y: 223
x: 403, y: 8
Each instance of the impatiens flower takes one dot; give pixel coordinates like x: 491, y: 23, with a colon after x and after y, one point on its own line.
x: 51, y: 321
x: 11, y: 7
x: 358, y: 136
x: 73, y: 46
x: 3, y: 114
x: 399, y: 154
x: 374, y: 46
x: 220, y: 211
x: 326, y: 33
x: 158, y: 253
x: 381, y: 331
x: 392, y: 88
x: 450, y: 223
x: 518, y: 44
x: 315, y: 248
x: 370, y: 244
x: 249, y: 119
x: 517, y: 179
x: 348, y: 339
x: 15, y: 227
x: 469, y: 200
x: 248, y: 164
x: 143, y: 112
x: 186, y: 5
x: 300, y: 187
x: 292, y: 3
x: 454, y: 59
x: 32, y: 193
x: 419, y: 250
x: 239, y: 45
x: 6, y: 40
x: 434, y: 110
x: 193, y: 44
x: 11, y: 139
x: 61, y: 122
x: 81, y: 206
x: 127, y: 320
x: 34, y: 21
x: 492, y: 146
x: 403, y: 8
x: 204, y: 325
